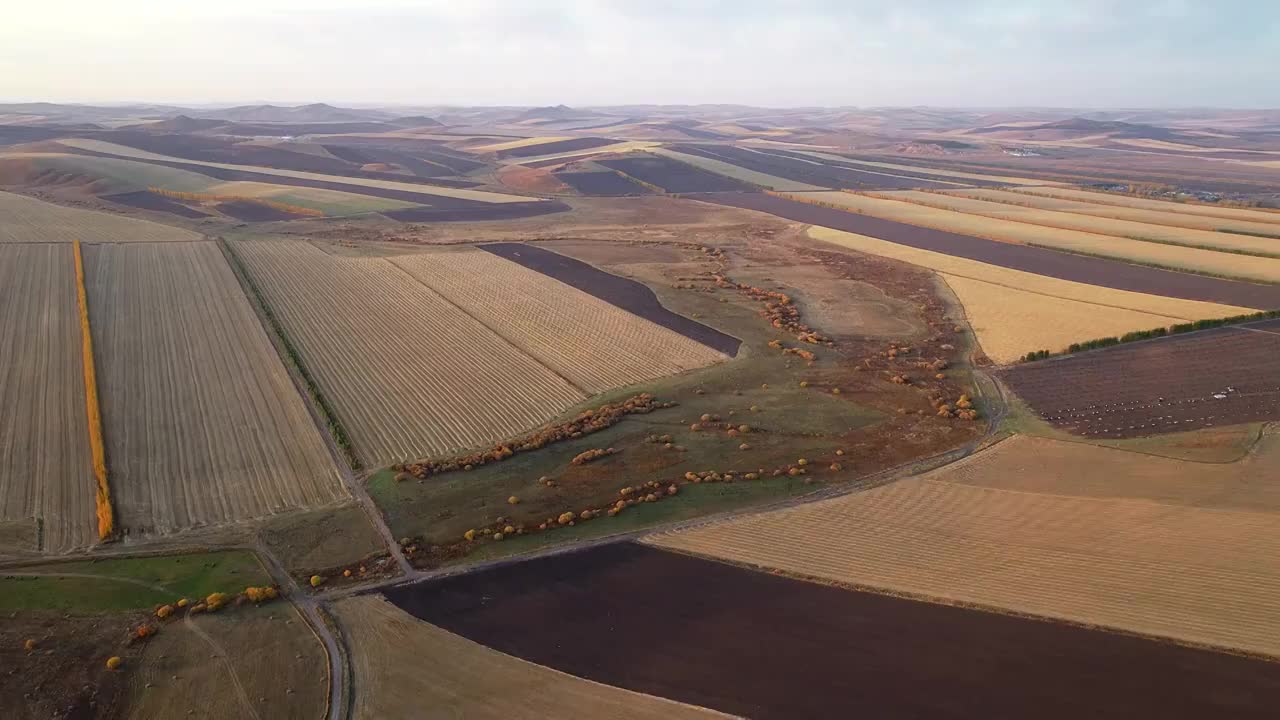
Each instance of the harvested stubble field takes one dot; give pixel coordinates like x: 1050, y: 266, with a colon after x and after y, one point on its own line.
x: 1171, y: 215
x: 589, y: 342
x: 814, y: 174
x: 409, y: 373
x: 1266, y: 219
x: 1073, y: 241
x: 27, y: 220
x: 671, y: 175
x: 1068, y: 220
x: 1014, y: 312
x: 763, y: 646
x: 550, y: 148
x: 552, y: 158
x: 1190, y: 570
x: 45, y: 463
x: 929, y: 170
x: 886, y: 173
x: 1164, y: 385
x: 203, y: 424
x: 713, y: 163
x: 1100, y: 272
x: 96, y: 174
x: 402, y: 665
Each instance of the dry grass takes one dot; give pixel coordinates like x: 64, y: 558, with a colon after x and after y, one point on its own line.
x: 720, y: 167
x: 27, y: 220
x: 1156, y: 223
x: 424, y: 190
x: 1169, y: 256
x: 593, y: 344
x: 1124, y: 556
x: 988, y: 204
x: 1010, y: 179
x: 409, y: 373
x: 522, y: 142
x: 1268, y: 220
x: 46, y: 467
x: 403, y: 666
x: 1014, y: 312
x: 203, y: 424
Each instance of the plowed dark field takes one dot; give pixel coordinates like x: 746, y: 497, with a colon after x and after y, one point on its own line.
x: 1223, y: 376
x: 922, y: 174
x: 1051, y: 263
x: 673, y: 176
x: 147, y: 200
x: 363, y: 156
x: 810, y: 171
x: 555, y: 147
x: 765, y: 646
x: 636, y: 298
x: 602, y: 184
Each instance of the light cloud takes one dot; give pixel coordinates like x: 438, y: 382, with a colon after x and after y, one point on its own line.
x: 804, y: 52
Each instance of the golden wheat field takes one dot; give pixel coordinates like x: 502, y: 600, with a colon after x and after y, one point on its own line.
x: 1166, y: 214
x: 1169, y: 256
x: 424, y: 190
x: 594, y: 345
x: 202, y: 422
x: 619, y: 147
x: 1127, y: 201
x: 969, y: 202
x: 403, y: 665
x: 45, y: 467
x: 1014, y: 312
x: 513, y: 144
x: 27, y: 220
x: 409, y: 373
x: 1192, y: 571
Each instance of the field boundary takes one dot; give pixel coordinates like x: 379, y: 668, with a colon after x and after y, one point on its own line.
x: 293, y: 357
x: 1234, y: 321
x: 102, y: 493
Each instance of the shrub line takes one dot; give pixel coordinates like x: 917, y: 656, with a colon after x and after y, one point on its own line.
x: 102, y: 494
x: 1137, y: 335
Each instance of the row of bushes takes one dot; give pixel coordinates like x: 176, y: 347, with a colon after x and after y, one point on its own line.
x: 102, y: 496
x: 336, y: 429
x: 1137, y: 335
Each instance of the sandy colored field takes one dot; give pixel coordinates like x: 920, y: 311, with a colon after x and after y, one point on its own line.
x: 27, y: 220
x: 963, y: 202
x: 1014, y: 312
x: 331, y: 202
x: 721, y: 167
x: 403, y: 666
x: 248, y: 662
x: 589, y: 342
x: 425, y: 190
x: 45, y: 465
x: 1168, y: 256
x: 202, y: 422
x: 522, y: 142
x: 1157, y: 223
x: 103, y: 174
x: 1127, y: 201
x: 408, y: 372
x: 1186, y: 569
x: 621, y: 147
x: 1012, y: 180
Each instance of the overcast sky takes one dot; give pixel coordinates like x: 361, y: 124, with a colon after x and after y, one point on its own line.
x: 1083, y: 53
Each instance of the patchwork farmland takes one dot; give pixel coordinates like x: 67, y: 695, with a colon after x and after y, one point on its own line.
x: 671, y: 175
x: 202, y: 423
x: 27, y: 220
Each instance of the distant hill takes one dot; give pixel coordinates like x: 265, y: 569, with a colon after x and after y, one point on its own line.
x: 1077, y: 127
x: 551, y: 112
x: 314, y: 113
x: 179, y: 124
x: 416, y: 121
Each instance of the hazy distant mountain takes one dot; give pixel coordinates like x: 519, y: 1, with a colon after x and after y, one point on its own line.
x: 316, y: 112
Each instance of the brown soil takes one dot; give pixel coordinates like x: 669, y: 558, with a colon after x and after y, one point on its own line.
x: 534, y: 180
x: 766, y: 646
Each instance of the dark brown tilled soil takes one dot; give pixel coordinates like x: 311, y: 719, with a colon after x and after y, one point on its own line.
x: 1051, y: 263
x: 602, y: 184
x: 1223, y: 376
x: 634, y: 297
x: 672, y: 176
x: 765, y: 646
x: 944, y: 182
x: 147, y: 200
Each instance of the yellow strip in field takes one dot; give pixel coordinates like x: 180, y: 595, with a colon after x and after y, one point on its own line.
x: 426, y: 190
x: 1013, y: 312
x: 102, y: 497
x: 727, y: 169
x: 1131, y: 201
x: 1010, y: 179
x: 522, y: 142
x: 615, y: 148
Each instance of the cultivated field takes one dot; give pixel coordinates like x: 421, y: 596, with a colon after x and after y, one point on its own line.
x: 618, y: 147
x: 813, y: 173
x: 520, y: 143
x: 1089, y: 223
x: 1223, y: 376
x: 203, y: 425
x: 594, y: 345
x: 98, y: 174
x: 693, y: 630
x: 737, y: 172
x: 331, y: 202
x: 1126, y: 201
x: 27, y: 220
x: 1170, y: 215
x: 602, y: 183
x: 1168, y: 256
x: 671, y: 175
x: 1176, y: 570
x: 1015, y: 312
x: 45, y: 464
x: 408, y: 372
x: 1007, y: 179
x: 402, y: 665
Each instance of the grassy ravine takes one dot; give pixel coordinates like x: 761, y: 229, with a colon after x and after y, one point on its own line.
x: 336, y: 429
x: 1137, y: 335
x: 122, y: 583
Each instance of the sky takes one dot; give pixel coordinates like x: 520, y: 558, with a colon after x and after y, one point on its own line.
x: 960, y: 53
